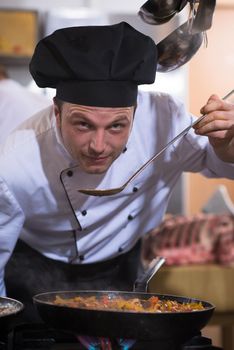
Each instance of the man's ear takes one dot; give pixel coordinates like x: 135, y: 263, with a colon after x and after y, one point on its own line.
x: 57, y: 112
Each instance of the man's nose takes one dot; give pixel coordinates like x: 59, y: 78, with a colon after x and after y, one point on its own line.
x: 97, y: 143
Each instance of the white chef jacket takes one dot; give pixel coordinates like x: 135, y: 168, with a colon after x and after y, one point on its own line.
x: 17, y: 103
x: 39, y: 180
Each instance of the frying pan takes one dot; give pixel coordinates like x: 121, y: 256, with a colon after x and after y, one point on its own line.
x: 173, y: 326
x: 178, y: 326
x: 9, y: 309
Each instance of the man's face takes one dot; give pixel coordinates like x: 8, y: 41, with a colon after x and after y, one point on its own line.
x: 94, y: 136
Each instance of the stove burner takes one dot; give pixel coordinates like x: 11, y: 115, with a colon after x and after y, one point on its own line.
x: 93, y: 343
x: 40, y: 337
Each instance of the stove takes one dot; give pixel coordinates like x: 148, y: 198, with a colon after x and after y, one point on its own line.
x: 40, y: 337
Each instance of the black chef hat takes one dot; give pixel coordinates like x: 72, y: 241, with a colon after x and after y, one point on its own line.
x: 95, y: 65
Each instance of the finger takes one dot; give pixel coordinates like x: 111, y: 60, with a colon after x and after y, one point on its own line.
x: 209, y: 118
x: 214, y: 125
x: 212, y: 99
x: 216, y: 104
x: 219, y: 135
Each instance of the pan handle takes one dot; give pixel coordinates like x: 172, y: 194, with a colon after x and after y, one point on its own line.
x: 141, y: 283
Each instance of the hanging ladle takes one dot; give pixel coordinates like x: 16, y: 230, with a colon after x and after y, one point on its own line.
x: 112, y: 191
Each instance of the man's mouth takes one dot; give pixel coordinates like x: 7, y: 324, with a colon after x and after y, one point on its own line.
x: 97, y: 160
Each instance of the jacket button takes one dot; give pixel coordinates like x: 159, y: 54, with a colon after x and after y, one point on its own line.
x: 130, y: 217
x: 120, y: 249
x: 135, y: 189
x: 69, y: 173
x: 84, y: 212
x: 81, y: 257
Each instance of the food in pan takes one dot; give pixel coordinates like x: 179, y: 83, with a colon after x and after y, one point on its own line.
x: 6, y: 310
x: 152, y: 305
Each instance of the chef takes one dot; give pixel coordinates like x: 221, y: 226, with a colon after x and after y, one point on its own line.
x: 100, y: 130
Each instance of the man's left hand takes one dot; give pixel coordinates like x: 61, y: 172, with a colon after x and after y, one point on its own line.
x: 218, y: 125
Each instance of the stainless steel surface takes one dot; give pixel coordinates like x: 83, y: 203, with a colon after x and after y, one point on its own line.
x: 113, y: 191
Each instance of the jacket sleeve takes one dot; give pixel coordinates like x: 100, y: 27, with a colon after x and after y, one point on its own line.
x: 11, y: 222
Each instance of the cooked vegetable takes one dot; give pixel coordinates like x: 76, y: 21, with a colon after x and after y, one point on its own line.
x: 153, y: 304
x: 6, y: 310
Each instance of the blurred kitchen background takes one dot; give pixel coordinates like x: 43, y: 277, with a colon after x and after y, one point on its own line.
x: 210, y: 70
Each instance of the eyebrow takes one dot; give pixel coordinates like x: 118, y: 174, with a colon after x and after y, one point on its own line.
x: 74, y: 115
x: 81, y: 115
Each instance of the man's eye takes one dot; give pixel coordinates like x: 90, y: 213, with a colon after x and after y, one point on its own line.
x: 117, y: 126
x: 83, y: 126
